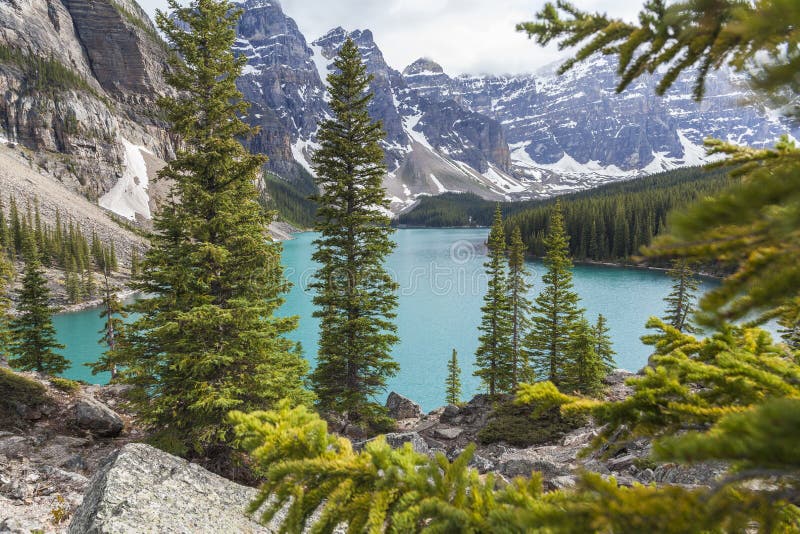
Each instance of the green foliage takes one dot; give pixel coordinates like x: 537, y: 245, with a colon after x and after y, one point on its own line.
x: 113, y: 332
x: 680, y: 301
x: 520, y: 425
x: 494, y: 356
x: 584, y: 369
x: 602, y: 344
x: 207, y: 340
x: 453, y: 381
x: 380, y: 489
x: 607, y: 223
x: 290, y: 201
x: 556, y: 310
x: 752, y: 224
x: 355, y: 296
x: 34, y: 337
x: 43, y: 75
x: 6, y: 275
x: 691, y: 383
x: 65, y: 384
x: 518, y: 288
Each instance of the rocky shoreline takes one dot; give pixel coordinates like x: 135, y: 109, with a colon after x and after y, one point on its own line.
x: 69, y: 461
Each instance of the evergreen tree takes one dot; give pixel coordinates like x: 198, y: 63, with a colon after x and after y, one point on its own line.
x: 6, y: 338
x: 134, y: 263
x: 584, y: 369
x: 112, y: 332
x: 355, y: 296
x: 602, y: 344
x: 680, y: 301
x: 453, y: 382
x: 207, y: 340
x: 72, y: 283
x: 494, y: 356
x: 518, y: 288
x: 35, y: 342
x: 556, y: 310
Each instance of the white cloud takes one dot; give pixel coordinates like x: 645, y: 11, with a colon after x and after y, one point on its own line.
x: 465, y: 36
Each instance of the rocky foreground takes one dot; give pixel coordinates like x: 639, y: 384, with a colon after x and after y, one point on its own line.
x: 69, y: 461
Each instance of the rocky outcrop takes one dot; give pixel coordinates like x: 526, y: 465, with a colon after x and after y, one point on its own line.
x: 401, y: 407
x: 97, y: 418
x: 143, y: 487
x: 103, y: 73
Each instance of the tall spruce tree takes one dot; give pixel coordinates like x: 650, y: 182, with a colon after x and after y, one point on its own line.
x: 584, y: 369
x: 602, y: 344
x: 518, y: 288
x: 453, y: 382
x: 494, y: 356
x: 555, y: 310
x: 6, y: 276
x: 114, y: 314
x: 207, y: 340
x: 34, y: 343
x: 680, y: 301
x: 355, y: 296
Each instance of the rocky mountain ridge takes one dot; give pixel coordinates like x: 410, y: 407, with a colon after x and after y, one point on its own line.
x: 79, y: 80
x: 510, y: 137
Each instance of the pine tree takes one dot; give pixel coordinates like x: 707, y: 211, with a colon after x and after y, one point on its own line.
x: 584, y: 370
x: 680, y: 301
x: 112, y: 332
x: 207, y: 340
x: 34, y: 335
x: 556, y: 310
x: 134, y: 263
x: 602, y: 344
x: 355, y: 296
x: 453, y: 382
x: 518, y: 288
x: 6, y: 338
x: 494, y: 357
x: 72, y: 282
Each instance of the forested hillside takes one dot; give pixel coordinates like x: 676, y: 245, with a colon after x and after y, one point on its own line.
x: 611, y: 222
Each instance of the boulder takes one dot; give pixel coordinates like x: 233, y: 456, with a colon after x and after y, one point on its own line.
x: 97, y: 418
x: 397, y: 440
x: 401, y: 407
x: 621, y: 462
x: 447, y: 433
x: 142, y: 488
x: 449, y: 413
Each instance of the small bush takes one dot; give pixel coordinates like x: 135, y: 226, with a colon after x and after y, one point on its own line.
x: 515, y: 424
x: 65, y: 384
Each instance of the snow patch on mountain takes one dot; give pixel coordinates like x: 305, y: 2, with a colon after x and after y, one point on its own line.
x: 129, y: 195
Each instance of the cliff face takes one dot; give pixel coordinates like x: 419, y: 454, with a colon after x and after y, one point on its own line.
x: 79, y: 78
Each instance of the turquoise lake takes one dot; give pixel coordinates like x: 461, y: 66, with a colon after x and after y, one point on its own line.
x: 442, y: 283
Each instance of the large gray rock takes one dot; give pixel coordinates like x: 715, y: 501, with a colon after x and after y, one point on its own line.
x: 143, y: 489
x: 97, y: 418
x: 401, y: 407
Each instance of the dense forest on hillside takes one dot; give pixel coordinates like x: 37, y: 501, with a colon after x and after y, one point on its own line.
x: 290, y: 201
x: 610, y: 222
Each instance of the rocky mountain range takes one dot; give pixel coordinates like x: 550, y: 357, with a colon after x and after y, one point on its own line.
x: 80, y: 79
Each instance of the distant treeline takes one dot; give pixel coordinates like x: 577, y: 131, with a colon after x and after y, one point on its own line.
x: 60, y: 245
x: 609, y: 223
x: 290, y: 201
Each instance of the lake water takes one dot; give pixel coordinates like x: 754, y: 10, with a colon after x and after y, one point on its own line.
x: 440, y: 273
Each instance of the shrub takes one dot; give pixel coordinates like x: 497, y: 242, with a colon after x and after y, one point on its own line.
x: 519, y: 425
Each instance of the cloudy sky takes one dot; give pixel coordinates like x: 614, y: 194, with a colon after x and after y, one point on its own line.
x: 464, y: 36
